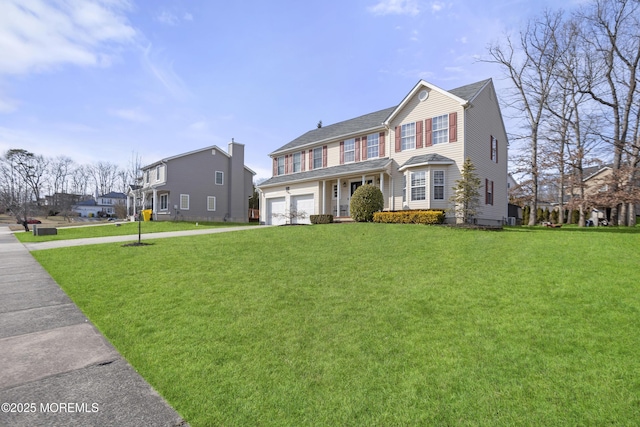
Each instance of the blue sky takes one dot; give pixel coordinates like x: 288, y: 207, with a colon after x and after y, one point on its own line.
x: 98, y: 80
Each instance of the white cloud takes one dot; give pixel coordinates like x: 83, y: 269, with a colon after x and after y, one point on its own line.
x: 131, y: 114
x: 38, y: 35
x: 172, y: 19
x: 167, y: 18
x: 7, y: 106
x: 165, y: 74
x: 437, y: 6
x: 395, y: 7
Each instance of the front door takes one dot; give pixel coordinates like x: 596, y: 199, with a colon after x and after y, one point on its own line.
x: 354, y: 186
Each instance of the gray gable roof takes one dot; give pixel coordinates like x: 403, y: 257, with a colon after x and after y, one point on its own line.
x: 114, y: 195
x: 426, y: 159
x: 334, y: 172
x: 359, y: 124
x: 367, y: 122
x: 468, y: 92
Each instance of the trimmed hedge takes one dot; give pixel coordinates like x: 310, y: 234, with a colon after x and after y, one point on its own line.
x: 321, y: 219
x: 410, y: 217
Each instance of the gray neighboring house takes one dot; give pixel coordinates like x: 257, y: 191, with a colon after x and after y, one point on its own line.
x: 208, y: 184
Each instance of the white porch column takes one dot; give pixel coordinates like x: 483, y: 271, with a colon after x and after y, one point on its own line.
x: 382, y: 185
x: 393, y: 199
x: 363, y: 179
x: 324, y: 197
x: 155, y: 204
x: 338, y: 201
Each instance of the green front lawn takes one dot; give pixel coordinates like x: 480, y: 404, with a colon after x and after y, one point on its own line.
x: 374, y: 324
x: 122, y: 229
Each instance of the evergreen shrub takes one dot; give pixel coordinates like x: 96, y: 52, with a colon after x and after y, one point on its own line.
x: 366, y: 200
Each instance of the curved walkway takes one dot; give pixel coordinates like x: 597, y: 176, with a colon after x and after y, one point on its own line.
x: 56, y: 368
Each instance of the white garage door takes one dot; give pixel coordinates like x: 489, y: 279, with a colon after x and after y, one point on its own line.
x: 302, y: 204
x: 275, y: 211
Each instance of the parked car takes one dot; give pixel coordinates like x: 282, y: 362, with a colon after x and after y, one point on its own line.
x: 30, y: 221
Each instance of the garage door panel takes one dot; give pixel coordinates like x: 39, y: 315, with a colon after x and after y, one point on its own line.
x: 303, y: 204
x: 276, y: 211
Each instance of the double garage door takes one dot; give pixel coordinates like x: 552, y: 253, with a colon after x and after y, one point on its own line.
x: 278, y: 214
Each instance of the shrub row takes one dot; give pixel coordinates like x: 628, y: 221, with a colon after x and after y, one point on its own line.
x: 321, y: 219
x: 410, y: 217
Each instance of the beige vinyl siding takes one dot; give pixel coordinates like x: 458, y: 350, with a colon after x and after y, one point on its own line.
x: 483, y: 121
x: 436, y: 105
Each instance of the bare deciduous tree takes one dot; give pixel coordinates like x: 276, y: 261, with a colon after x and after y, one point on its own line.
x: 530, y: 64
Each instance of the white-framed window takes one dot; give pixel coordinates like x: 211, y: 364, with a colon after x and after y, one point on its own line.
x: 211, y: 203
x: 146, y: 177
x: 494, y: 149
x: 408, y: 136
x: 158, y: 173
x: 164, y: 202
x: 438, y: 185
x: 297, y: 162
x: 350, y: 150
x: 440, y: 129
x: 335, y: 192
x: 184, y: 202
x: 219, y: 178
x: 418, y: 186
x: 373, y: 146
x: 281, y: 165
x: 317, y: 158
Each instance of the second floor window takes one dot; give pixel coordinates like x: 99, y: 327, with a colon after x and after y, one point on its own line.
x: 219, y: 178
x: 441, y: 129
x: 350, y: 150
x: 297, y: 162
x: 373, y: 145
x: 317, y: 158
x: 494, y: 149
x: 281, y: 165
x: 408, y: 136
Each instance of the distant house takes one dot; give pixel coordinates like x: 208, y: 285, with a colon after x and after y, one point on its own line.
x: 413, y: 152
x: 100, y: 206
x: 208, y: 184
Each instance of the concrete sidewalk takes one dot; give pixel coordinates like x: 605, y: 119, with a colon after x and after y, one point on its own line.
x: 56, y: 368
x: 134, y: 237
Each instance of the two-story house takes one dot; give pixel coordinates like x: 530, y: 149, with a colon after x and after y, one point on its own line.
x: 413, y: 152
x: 202, y: 185
x: 104, y: 205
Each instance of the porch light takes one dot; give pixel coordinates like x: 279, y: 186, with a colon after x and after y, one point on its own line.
x: 344, y: 184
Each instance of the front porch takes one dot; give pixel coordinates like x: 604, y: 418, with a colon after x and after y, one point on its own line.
x: 335, y: 194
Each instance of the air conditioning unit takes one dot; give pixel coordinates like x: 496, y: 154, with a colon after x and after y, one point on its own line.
x: 511, y: 220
